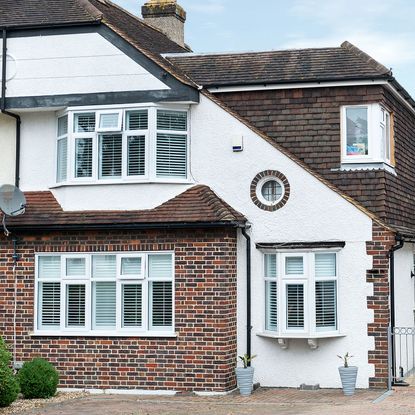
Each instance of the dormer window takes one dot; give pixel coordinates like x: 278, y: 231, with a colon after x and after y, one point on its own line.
x: 367, y: 135
x: 129, y: 144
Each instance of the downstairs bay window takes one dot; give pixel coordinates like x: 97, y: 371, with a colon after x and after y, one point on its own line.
x: 133, y: 144
x: 105, y: 294
x: 367, y: 135
x: 301, y: 293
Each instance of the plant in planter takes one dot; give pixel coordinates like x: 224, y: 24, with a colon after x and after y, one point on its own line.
x: 348, y: 375
x: 245, y: 375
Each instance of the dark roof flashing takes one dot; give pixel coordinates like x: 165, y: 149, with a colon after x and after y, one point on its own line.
x: 368, y: 59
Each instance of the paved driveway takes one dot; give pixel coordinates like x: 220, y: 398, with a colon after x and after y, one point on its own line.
x: 262, y: 402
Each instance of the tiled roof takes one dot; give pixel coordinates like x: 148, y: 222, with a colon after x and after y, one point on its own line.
x: 285, y: 66
x: 198, y: 204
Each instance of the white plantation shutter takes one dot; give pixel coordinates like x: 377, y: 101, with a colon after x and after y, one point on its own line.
x: 137, y: 120
x: 104, y: 266
x: 50, y: 304
x: 75, y: 305
x: 160, y: 266
x: 326, y: 305
x: 62, y: 160
x: 62, y: 125
x: 104, y: 305
x: 110, y: 155
x: 171, y: 155
x: 75, y: 267
x: 136, y: 154
x: 131, y: 266
x: 83, y: 157
x: 295, y: 306
x: 294, y: 265
x: 172, y: 120
x: 325, y: 265
x: 271, y: 312
x: 84, y: 123
x: 49, y: 267
x: 132, y: 305
x: 270, y: 266
x: 161, y: 304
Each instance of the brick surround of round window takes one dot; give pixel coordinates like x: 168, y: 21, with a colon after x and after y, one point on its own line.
x: 270, y: 174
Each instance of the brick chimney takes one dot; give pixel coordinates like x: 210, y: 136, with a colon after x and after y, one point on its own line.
x: 167, y: 16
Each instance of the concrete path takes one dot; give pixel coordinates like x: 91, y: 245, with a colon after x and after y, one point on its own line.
x: 262, y: 402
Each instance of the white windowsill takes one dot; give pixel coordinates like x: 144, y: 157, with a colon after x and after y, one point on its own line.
x: 322, y: 335
x: 102, y: 334
x: 120, y: 182
x: 366, y: 165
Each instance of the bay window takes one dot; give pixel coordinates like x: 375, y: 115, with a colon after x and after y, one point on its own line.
x: 301, y: 293
x: 107, y: 294
x: 129, y: 144
x: 367, y: 134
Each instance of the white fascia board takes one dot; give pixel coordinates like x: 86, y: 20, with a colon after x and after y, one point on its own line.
x: 400, y: 97
x: 295, y: 85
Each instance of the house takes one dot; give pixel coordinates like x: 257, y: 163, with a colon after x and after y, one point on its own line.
x: 183, y: 209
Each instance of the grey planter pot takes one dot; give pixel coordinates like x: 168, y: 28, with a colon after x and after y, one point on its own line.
x: 245, y: 378
x: 348, y: 377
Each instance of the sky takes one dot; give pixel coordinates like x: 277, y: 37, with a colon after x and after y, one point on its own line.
x: 384, y: 29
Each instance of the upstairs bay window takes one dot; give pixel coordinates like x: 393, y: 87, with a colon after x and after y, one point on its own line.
x: 301, y: 293
x: 367, y: 134
x: 107, y: 294
x: 143, y: 144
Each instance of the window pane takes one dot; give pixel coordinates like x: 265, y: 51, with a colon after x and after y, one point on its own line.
x: 325, y: 265
x: 75, y: 267
x: 50, y: 304
x: 75, y: 305
x: 160, y: 266
x: 326, y: 305
x: 357, y: 132
x: 49, y: 267
x: 172, y: 120
x: 271, y: 310
x: 136, y: 156
x: 171, y: 155
x: 62, y: 125
x: 137, y: 120
x: 132, y: 305
x: 131, y: 266
x: 84, y: 123
x: 83, y: 157
x: 62, y: 160
x: 104, y: 266
x: 161, y: 304
x: 110, y: 156
x: 109, y: 121
x: 104, y: 305
x: 295, y: 306
x: 271, y: 191
x: 294, y: 265
x: 270, y: 266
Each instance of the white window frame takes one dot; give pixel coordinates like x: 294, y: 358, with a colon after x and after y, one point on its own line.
x: 376, y: 142
x: 150, y: 135
x: 117, y: 128
x: 308, y: 279
x: 144, y: 330
x: 58, y: 139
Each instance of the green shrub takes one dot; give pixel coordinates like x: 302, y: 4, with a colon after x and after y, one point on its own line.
x: 9, y: 387
x: 38, y: 379
x: 5, y: 355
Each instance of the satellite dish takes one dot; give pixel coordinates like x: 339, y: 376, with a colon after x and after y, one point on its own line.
x: 12, y: 200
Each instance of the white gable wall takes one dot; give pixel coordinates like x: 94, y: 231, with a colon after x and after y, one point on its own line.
x: 313, y: 213
x: 7, y: 149
x: 72, y: 64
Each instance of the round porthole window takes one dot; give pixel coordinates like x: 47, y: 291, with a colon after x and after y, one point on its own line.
x: 270, y: 190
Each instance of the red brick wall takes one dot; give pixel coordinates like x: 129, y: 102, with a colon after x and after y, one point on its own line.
x: 202, y: 357
x: 379, y: 249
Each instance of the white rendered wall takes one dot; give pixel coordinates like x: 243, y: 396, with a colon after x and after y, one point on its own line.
x: 71, y: 64
x: 312, y: 213
x: 7, y: 149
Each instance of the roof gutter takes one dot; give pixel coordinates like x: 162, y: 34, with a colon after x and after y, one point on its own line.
x: 8, y: 113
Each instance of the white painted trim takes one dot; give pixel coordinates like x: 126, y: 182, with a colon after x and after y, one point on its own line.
x: 317, y: 335
x: 295, y: 85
